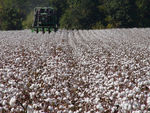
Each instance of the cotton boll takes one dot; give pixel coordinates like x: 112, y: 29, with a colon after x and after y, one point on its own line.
x: 126, y: 80
x: 126, y: 106
x: 4, y: 102
x: 122, y: 94
x: 149, y: 48
x: 108, y: 93
x: 136, y: 89
x: 130, y: 95
x: 12, y: 101
x: 113, y: 109
x: 35, y: 106
x: 48, y: 100
x: 17, y: 60
x: 50, y: 108
x: 1, y: 109
x: 70, y: 111
x: 12, y: 110
x: 32, y: 94
x: 59, y: 112
x: 71, y: 105
x: 142, y: 107
x: 135, y: 105
x: 87, y: 100
x: 96, y: 100
x: 145, y: 111
x: 148, y: 101
x: 100, y: 107
x: 138, y: 111
x: 36, y: 111
x: 98, y: 76
x: 148, y: 73
x: 82, y: 94
x: 34, y: 86
x: 57, y: 93
x: 38, y: 70
x: 120, y: 79
x: 12, y: 82
x: 97, y: 112
x: 9, y: 74
x: 116, y: 83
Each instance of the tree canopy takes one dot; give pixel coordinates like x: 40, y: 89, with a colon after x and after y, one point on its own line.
x: 78, y: 14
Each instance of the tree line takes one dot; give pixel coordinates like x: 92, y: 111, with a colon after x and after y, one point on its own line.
x: 78, y: 14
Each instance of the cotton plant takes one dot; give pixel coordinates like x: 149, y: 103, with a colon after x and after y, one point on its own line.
x: 75, y: 71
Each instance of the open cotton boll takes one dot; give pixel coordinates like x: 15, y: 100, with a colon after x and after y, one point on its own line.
x: 100, y: 107
x: 75, y: 71
x: 138, y: 111
x: 96, y: 100
x: 148, y: 101
x: 142, y: 107
x: 32, y: 94
x: 12, y: 101
x: 126, y: 106
x: 1, y: 109
x: 30, y: 109
x: 17, y: 60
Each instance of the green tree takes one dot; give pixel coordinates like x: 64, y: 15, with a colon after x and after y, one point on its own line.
x: 100, y: 23
x: 89, y: 12
x: 11, y: 19
x: 81, y: 14
x: 143, y: 13
x: 120, y: 13
x: 27, y: 23
x: 71, y: 20
x: 60, y: 6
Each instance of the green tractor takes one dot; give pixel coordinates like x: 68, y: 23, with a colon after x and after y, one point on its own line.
x: 45, y: 19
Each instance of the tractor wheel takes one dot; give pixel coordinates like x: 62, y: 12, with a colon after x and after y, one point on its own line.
x: 43, y: 30
x: 49, y: 30
x: 55, y: 29
x: 37, y: 30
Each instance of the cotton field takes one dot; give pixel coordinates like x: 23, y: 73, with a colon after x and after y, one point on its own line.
x: 75, y: 71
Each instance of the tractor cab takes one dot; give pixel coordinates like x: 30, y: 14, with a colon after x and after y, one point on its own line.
x: 44, y: 19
